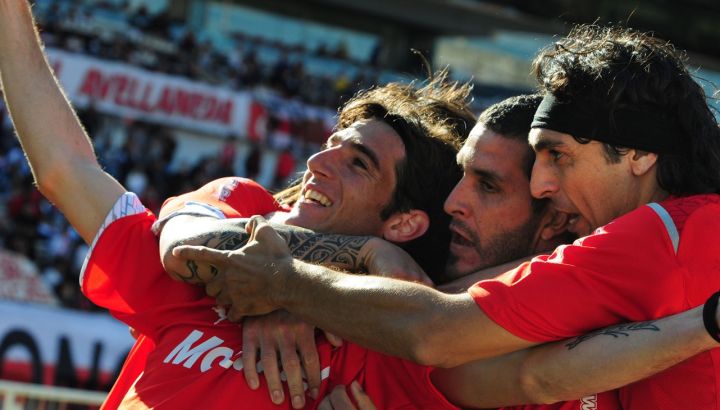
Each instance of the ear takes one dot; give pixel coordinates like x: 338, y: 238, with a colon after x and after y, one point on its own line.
x: 553, y: 224
x: 406, y: 226
x: 641, y: 161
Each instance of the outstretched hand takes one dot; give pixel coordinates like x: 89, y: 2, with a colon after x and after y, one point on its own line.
x: 246, y: 280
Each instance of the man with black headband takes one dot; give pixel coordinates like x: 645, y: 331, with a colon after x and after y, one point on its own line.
x: 625, y: 143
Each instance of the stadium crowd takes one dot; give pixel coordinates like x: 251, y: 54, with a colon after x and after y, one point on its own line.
x: 139, y: 154
x: 153, y: 41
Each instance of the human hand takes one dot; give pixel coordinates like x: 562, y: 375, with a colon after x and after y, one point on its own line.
x: 281, y: 333
x: 381, y: 258
x: 248, y: 280
x: 175, y: 232
x: 338, y: 399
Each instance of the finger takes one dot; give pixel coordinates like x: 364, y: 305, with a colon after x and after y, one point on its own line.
x: 201, y: 254
x: 333, y: 339
x: 293, y: 372
x: 249, y: 357
x: 340, y: 400
x: 269, y: 362
x: 325, y: 404
x: 310, y: 361
x: 264, y: 232
x: 361, y: 398
x: 213, y: 287
x: 252, y: 223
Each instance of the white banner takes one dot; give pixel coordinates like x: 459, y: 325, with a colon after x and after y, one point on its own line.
x: 125, y: 90
x: 42, y: 344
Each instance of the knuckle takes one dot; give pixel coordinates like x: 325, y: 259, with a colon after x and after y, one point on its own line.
x: 291, y: 364
x: 310, y: 359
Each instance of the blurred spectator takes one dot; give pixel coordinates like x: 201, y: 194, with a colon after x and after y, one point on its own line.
x: 285, y: 167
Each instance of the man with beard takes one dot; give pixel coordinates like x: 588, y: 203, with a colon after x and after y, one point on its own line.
x: 626, y: 143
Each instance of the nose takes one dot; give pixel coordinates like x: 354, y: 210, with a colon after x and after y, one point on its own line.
x: 543, y: 181
x: 323, y: 162
x: 455, y: 203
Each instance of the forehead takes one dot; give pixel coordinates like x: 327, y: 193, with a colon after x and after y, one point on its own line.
x: 491, y: 152
x: 541, y: 139
x: 374, y: 135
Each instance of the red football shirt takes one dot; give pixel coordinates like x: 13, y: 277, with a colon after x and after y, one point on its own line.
x: 189, y: 355
x: 652, y: 262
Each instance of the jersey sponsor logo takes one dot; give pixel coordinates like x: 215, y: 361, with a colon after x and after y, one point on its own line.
x: 221, y: 312
x: 589, y: 402
x: 210, y: 353
x: 228, y: 189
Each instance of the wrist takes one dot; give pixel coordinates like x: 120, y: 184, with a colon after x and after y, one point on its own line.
x: 284, y: 282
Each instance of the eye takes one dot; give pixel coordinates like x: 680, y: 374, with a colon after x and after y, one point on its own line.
x: 359, y: 163
x: 488, y: 187
x: 555, y: 155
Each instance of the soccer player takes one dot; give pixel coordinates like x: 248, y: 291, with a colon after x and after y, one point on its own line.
x: 365, y: 181
x: 626, y: 143
x: 544, y: 374
x: 67, y: 172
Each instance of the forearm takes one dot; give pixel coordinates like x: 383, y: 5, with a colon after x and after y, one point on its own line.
x: 572, y: 369
x: 399, y: 318
x: 59, y: 152
x: 612, y: 357
x: 342, y: 252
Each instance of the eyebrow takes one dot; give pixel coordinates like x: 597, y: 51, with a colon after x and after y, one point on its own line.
x: 367, y: 151
x: 357, y: 146
x: 486, y: 175
x: 545, y: 144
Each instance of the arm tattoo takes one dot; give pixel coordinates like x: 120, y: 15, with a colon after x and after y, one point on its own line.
x: 341, y: 251
x: 228, y: 240
x: 615, y: 331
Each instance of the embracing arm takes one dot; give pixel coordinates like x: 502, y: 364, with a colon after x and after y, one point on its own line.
x: 392, y: 316
x: 348, y: 253
x: 396, y: 317
x: 342, y: 252
x: 567, y: 370
x: 58, y: 150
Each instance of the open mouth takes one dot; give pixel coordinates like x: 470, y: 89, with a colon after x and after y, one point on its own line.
x: 317, y: 197
x: 458, y: 239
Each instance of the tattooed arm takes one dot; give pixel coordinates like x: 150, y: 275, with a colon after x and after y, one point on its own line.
x: 340, y: 251
x: 567, y: 370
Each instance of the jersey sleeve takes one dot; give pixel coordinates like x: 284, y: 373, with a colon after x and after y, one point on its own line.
x: 615, y: 275
x: 699, y: 252
x: 122, y: 271
x: 235, y: 197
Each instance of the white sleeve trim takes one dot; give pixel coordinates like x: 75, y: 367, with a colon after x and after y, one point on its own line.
x: 190, y: 208
x: 128, y: 204
x: 669, y: 224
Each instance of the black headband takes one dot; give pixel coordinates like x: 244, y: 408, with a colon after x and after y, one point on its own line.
x: 624, y: 127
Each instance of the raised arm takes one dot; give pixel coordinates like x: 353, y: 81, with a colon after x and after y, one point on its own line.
x: 58, y: 150
x: 567, y: 370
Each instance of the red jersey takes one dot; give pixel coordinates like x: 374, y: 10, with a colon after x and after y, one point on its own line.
x: 189, y: 356
x: 655, y: 261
